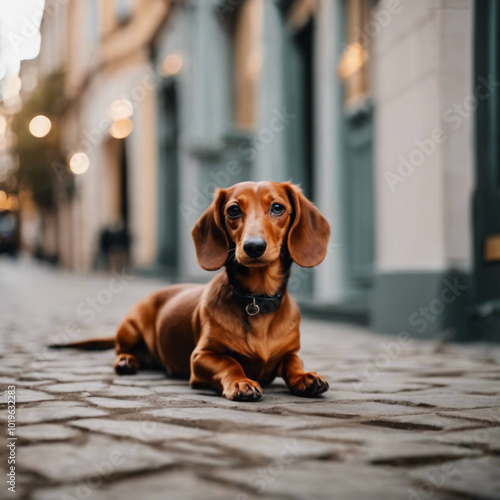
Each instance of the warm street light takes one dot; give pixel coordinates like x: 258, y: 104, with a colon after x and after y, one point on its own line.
x: 121, y: 128
x: 79, y: 163
x: 121, y: 108
x: 40, y: 126
x: 3, y: 124
x: 171, y: 65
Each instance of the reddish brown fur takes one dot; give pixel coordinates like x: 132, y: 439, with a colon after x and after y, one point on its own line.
x: 200, y: 332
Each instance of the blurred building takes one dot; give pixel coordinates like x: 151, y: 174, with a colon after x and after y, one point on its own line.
x: 370, y: 105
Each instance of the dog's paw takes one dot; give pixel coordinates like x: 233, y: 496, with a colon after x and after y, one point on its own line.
x: 308, y: 385
x: 243, y: 390
x: 126, y: 364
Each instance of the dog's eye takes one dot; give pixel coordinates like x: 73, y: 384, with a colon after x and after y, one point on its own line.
x: 277, y: 209
x: 234, y: 211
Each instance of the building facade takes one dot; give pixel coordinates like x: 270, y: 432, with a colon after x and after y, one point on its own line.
x: 372, y: 107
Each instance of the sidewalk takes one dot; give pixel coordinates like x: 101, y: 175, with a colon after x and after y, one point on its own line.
x: 404, y: 419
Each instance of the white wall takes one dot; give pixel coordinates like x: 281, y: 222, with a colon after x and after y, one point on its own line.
x: 422, y: 66
x: 330, y: 282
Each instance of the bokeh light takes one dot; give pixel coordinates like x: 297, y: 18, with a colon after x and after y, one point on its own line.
x: 121, y: 128
x: 171, y: 65
x: 40, y: 126
x: 79, y: 163
x: 121, y: 108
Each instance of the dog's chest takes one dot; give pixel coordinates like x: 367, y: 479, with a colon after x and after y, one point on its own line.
x: 259, y: 355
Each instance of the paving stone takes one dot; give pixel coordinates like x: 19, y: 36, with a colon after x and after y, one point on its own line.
x: 112, y: 403
x: 424, y: 422
x: 276, y: 399
x: 47, y: 432
x: 474, y: 478
x: 175, y: 485
x: 143, y: 430
x: 483, y: 438
x: 76, y: 387
x: 149, y: 382
x: 87, y: 370
x: 116, y: 390
x: 100, y: 456
x: 149, y: 375
x: 446, y: 400
x: 273, y: 447
x: 319, y: 480
x: 54, y: 410
x: 409, y: 453
x: 27, y: 396
x: 206, y: 454
x: 220, y: 418
x: 177, y: 388
x: 59, y: 376
x: 365, y: 409
x: 26, y: 383
x: 487, y: 415
x: 363, y: 434
x: 468, y: 385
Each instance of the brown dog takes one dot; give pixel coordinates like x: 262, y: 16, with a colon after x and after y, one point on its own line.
x: 240, y: 330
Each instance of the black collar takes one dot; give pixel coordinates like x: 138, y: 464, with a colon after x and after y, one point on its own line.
x: 257, y: 304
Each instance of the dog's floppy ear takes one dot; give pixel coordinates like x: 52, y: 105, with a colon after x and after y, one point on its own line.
x: 209, y: 236
x: 309, y: 233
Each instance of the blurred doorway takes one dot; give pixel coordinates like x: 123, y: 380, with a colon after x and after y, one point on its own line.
x: 114, y: 239
x: 168, y: 177
x: 357, y: 126
x: 487, y: 191
x: 298, y: 17
x: 298, y: 91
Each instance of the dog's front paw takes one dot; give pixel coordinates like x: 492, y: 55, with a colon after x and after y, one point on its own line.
x: 126, y: 364
x: 308, y: 384
x: 243, y: 390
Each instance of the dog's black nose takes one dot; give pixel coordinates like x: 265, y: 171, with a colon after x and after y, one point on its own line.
x: 254, y: 247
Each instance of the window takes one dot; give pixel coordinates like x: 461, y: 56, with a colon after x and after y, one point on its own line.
x: 301, y: 12
x: 353, y: 65
x: 247, y: 62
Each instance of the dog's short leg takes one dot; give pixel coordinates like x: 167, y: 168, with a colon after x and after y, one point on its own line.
x: 126, y: 364
x: 224, y: 373
x: 129, y: 347
x: 301, y: 383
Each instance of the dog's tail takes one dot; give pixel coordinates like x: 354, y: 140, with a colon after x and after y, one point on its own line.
x: 88, y: 345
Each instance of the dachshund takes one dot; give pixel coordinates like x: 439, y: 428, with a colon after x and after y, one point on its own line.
x: 241, y: 330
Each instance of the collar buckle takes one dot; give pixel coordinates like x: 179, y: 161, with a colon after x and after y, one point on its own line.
x: 252, y: 309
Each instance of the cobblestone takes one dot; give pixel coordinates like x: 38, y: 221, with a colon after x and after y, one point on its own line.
x: 416, y: 421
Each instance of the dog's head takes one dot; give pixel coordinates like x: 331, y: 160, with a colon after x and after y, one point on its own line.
x: 258, y: 219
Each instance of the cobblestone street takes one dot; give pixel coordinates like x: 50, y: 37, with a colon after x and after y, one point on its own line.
x: 404, y: 419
